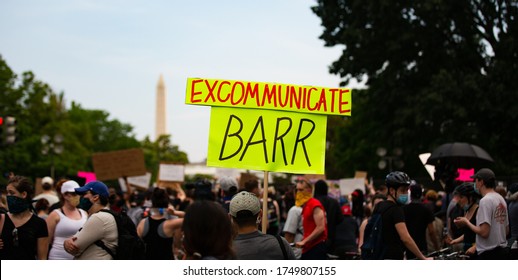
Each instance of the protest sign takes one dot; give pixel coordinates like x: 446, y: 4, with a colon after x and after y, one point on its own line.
x: 38, y: 188
x: 268, y: 126
x: 273, y: 96
x: 141, y: 182
x: 360, y: 174
x: 112, y: 165
x: 347, y: 186
x: 171, y: 172
x: 245, y: 177
x: 267, y: 140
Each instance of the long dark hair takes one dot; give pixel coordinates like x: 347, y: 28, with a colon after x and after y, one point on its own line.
x: 357, y: 200
x: 160, y: 199
x: 207, y: 231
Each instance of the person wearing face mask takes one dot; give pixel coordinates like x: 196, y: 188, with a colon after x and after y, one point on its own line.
x: 100, y: 226
x: 65, y: 221
x: 24, y: 235
x: 313, y: 221
x: 468, y: 200
x: 492, y: 220
x: 394, y: 232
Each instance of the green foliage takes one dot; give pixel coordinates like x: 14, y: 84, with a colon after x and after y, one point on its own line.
x: 40, y: 111
x: 436, y: 71
x: 161, y: 151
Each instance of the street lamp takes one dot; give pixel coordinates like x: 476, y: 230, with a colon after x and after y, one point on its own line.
x: 390, y: 160
x: 52, y: 146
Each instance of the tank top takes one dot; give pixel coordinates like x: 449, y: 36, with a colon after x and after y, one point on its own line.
x: 469, y: 235
x: 65, y: 229
x: 157, y: 247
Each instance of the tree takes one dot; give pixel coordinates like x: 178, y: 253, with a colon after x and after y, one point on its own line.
x: 161, y: 150
x: 40, y: 111
x: 436, y: 71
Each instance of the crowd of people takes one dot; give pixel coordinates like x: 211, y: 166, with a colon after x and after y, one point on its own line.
x: 224, y: 221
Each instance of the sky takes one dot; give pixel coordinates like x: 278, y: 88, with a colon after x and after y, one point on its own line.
x: 109, y: 55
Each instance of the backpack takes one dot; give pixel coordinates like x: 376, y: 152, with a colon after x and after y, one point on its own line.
x: 129, y: 246
x: 373, y: 247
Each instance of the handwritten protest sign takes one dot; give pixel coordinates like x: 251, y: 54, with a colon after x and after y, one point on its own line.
x: 274, y: 96
x: 268, y: 126
x: 267, y: 140
x: 347, y: 186
x: 171, y: 172
x: 112, y: 165
x: 263, y: 136
x: 141, y: 182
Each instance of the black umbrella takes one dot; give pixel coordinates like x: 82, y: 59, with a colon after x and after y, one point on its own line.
x: 463, y: 155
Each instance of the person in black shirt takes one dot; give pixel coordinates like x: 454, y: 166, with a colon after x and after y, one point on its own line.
x: 419, y: 219
x: 333, y: 213
x: 395, y: 232
x: 24, y: 235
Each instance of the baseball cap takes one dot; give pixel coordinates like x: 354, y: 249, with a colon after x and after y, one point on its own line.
x: 97, y: 187
x: 227, y: 182
x: 346, y: 210
x: 244, y: 201
x: 69, y: 186
x: 47, y: 180
x: 484, y: 174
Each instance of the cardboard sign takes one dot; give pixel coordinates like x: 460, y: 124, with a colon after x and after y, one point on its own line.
x: 347, y: 186
x: 141, y: 182
x: 112, y: 165
x: 267, y: 140
x: 171, y: 172
x: 315, y: 177
x: 245, y: 177
x: 360, y: 174
x: 273, y: 96
x: 38, y: 188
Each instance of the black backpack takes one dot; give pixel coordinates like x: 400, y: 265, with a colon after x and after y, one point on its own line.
x: 130, y: 246
x: 373, y: 247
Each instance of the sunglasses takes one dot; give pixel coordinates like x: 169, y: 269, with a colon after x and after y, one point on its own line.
x: 15, y: 237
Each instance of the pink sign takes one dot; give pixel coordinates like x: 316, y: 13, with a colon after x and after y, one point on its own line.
x: 465, y: 174
x: 89, y: 176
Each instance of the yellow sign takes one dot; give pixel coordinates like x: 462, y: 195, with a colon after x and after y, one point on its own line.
x: 308, y: 99
x: 267, y: 140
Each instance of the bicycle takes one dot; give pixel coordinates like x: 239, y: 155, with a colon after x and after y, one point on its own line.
x: 444, y: 254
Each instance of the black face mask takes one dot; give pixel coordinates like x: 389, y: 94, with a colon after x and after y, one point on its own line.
x: 17, y: 204
x: 85, y: 204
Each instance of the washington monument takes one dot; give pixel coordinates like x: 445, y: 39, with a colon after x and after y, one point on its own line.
x: 160, y: 125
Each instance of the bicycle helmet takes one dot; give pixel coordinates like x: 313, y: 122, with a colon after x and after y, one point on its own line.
x: 396, y: 179
x: 465, y: 189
